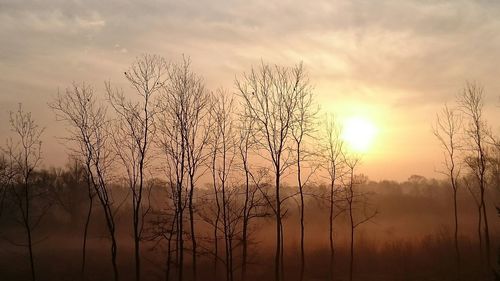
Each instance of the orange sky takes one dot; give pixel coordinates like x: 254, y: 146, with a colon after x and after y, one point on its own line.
x: 393, y: 62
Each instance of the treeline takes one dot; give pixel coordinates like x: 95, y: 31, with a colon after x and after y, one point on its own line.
x: 199, y: 176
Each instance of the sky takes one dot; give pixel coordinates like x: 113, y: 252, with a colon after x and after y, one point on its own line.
x: 395, y: 63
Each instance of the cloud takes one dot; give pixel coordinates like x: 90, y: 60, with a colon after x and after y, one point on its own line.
x: 412, y: 47
x: 406, y: 57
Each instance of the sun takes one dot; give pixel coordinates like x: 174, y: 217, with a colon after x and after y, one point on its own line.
x: 358, y: 133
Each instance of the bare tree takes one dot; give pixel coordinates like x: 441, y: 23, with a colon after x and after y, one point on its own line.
x: 270, y: 98
x: 89, y: 131
x: 332, y: 152
x: 224, y: 144
x: 183, y: 140
x: 355, y: 201
x: 197, y: 138
x: 476, y: 130
x: 256, y: 205
x: 24, y: 155
x: 233, y: 214
x: 134, y: 131
x: 215, y: 151
x: 245, y: 146
x: 72, y: 107
x: 447, y: 130
x: 173, y: 145
x: 302, y: 128
x: 223, y: 161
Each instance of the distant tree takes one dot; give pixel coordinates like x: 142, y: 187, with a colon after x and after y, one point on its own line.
x: 89, y: 132
x: 24, y: 154
x: 69, y: 188
x: 471, y: 103
x: 270, y: 98
x: 447, y: 130
x: 134, y: 132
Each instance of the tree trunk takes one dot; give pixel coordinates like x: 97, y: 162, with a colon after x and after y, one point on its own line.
x: 137, y: 244
x: 169, y: 248
x: 457, y: 248
x: 353, y: 226
x: 301, y: 191
x: 168, y: 259
x: 225, y: 220
x: 217, y: 217
x: 282, y: 256
x: 30, y: 247
x: 245, y: 227
x: 479, y: 232
x: 216, y: 239
x: 230, y: 244
x: 180, y: 236
x: 28, y: 229
x: 351, y: 260
x: 277, y: 259
x: 486, y: 231
x: 137, y: 219
x: 85, y: 231
x: 192, y: 229
x: 332, y: 249
x: 114, y: 250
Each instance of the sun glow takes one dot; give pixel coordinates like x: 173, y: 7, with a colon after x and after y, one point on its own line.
x: 358, y: 133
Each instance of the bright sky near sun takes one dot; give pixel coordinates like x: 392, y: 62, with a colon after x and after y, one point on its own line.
x: 358, y: 133
x: 383, y: 67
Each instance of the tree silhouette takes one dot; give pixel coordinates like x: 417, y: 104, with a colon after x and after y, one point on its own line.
x: 447, y: 130
x: 271, y: 97
x: 471, y: 104
x: 356, y: 202
x: 183, y: 139
x: 24, y: 154
x: 134, y: 132
x: 302, y: 128
x: 89, y: 131
x: 332, y: 152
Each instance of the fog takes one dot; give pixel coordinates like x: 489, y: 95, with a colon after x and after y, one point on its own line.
x: 409, y: 239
